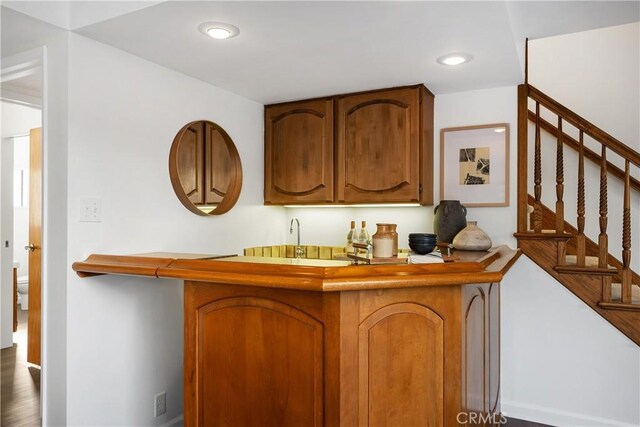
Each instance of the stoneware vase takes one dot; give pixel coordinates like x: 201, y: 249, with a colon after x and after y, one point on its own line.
x: 383, y: 241
x: 472, y: 238
x: 449, y: 220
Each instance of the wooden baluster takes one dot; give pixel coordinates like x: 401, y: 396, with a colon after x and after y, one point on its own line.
x: 559, y: 180
x: 580, y: 238
x: 562, y: 249
x: 626, y: 238
x: 537, y: 176
x: 603, y: 238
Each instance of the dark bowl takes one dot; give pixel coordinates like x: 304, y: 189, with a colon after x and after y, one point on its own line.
x: 420, y: 239
x: 422, y: 235
x: 422, y: 248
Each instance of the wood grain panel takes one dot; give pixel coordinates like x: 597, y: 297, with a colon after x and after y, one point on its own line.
x: 219, y: 165
x: 474, y: 395
x: 378, y: 146
x: 493, y: 348
x: 401, y: 367
x: 34, y: 324
x: 259, y: 363
x: 299, y: 152
x: 426, y: 146
x: 189, y: 161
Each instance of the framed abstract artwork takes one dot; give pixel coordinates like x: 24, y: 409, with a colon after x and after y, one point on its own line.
x: 474, y: 165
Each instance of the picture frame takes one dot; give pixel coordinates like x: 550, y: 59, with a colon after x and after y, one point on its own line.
x: 474, y: 165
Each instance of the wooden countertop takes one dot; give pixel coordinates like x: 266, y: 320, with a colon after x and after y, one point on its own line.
x: 472, y: 267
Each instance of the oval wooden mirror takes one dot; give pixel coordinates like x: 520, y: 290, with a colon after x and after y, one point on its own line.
x: 205, y: 168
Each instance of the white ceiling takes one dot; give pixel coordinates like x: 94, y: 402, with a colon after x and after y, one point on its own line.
x: 296, y: 50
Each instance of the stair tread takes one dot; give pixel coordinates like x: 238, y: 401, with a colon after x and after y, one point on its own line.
x: 589, y: 261
x: 616, y: 293
x: 546, y: 232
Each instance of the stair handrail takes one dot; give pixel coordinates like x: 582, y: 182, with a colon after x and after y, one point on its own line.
x: 589, y: 154
x: 607, y: 142
x: 579, y: 122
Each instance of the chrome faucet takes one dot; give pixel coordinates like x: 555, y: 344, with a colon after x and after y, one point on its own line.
x: 299, y: 249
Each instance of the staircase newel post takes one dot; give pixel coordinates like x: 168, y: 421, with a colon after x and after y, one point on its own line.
x: 523, y: 134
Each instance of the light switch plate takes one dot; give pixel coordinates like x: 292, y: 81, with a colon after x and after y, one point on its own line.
x: 90, y: 209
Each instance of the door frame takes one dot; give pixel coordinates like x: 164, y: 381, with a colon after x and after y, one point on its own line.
x: 11, y: 67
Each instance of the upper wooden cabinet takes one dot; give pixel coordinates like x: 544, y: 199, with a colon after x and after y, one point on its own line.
x: 299, y: 152
x: 382, y: 152
x: 384, y: 145
x: 205, y: 168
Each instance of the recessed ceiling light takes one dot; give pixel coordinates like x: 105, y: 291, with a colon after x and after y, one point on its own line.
x: 499, y: 130
x: 218, y: 30
x: 454, y: 59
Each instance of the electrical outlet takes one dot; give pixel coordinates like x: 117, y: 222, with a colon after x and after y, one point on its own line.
x: 90, y: 210
x: 160, y: 404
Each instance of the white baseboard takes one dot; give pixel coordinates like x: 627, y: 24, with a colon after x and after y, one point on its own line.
x: 174, y: 422
x: 556, y: 417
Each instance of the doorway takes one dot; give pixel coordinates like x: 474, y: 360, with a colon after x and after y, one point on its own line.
x: 21, y: 214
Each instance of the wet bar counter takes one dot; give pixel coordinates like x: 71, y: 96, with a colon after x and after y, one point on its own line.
x: 273, y: 341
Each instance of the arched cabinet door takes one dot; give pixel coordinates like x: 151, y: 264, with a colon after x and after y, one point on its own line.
x: 218, y: 165
x: 258, y: 362
x: 378, y: 146
x: 481, y: 350
x: 189, y: 161
x: 401, y: 367
x: 299, y: 152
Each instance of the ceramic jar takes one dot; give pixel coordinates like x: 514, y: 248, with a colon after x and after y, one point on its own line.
x: 383, y: 241
x: 472, y: 238
x: 449, y: 220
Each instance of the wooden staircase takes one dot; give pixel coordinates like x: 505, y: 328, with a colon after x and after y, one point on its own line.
x: 584, y: 266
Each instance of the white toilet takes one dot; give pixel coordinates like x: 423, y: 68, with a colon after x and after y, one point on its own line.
x: 23, y: 292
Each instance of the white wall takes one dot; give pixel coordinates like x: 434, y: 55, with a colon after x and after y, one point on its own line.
x: 562, y: 364
x: 595, y: 73
x: 125, y: 334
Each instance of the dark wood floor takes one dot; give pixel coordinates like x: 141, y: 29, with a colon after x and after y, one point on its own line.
x: 514, y: 422
x: 20, y: 388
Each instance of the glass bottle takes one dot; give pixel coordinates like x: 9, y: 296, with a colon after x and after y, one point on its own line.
x: 364, y: 236
x: 351, y: 236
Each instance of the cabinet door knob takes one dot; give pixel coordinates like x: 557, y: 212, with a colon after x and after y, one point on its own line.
x: 30, y: 247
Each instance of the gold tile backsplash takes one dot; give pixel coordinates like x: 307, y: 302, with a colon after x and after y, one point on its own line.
x: 310, y: 252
